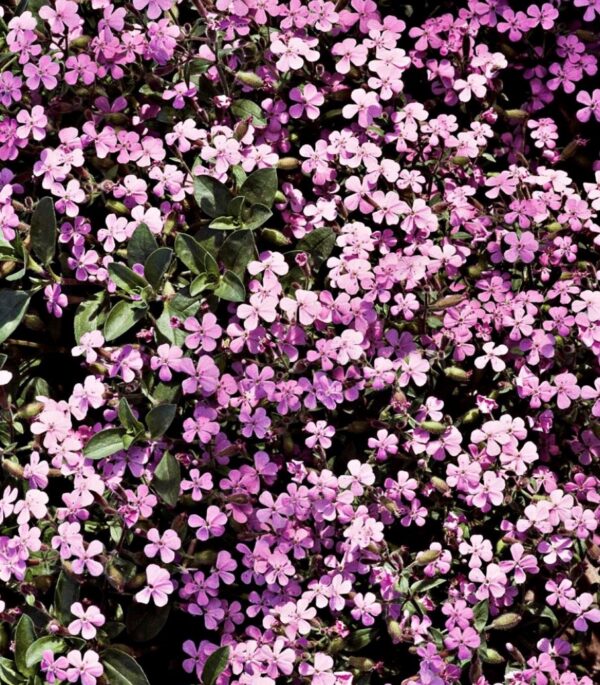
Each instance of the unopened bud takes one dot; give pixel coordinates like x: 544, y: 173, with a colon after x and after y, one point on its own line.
x: 454, y: 373
x: 448, y: 301
x: 427, y: 557
x: 29, y: 410
x: 433, y: 427
x: 520, y: 114
x: 250, y: 79
x: 270, y: 235
x: 288, y: 163
x: 440, y: 485
x: 116, y: 206
x: 394, y: 630
x: 506, y: 621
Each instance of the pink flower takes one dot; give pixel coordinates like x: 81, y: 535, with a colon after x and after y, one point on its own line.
x: 522, y: 247
x: 591, y: 105
x: 166, y: 544
x: 309, y: 100
x: 84, y: 668
x: 158, y: 588
x: 86, y: 622
x: 321, y: 434
x: 493, y: 355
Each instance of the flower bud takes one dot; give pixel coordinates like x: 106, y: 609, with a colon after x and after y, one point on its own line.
x: 250, y: 79
x: 29, y: 410
x: 433, y: 427
x: 288, y: 163
x: 440, y: 485
x: 506, y: 621
x: 519, y: 114
x: 116, y: 206
x: 270, y: 235
x: 454, y: 373
x: 394, y: 630
x: 427, y: 556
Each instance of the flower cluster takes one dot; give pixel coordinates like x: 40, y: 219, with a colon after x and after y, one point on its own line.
x: 300, y: 327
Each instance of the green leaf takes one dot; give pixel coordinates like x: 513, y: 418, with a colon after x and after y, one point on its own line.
x: 43, y: 230
x: 481, y: 612
x: 359, y: 639
x: 224, y: 223
x: 122, y: 669
x: 194, y: 256
x: 247, y: 109
x: 231, y: 288
x: 123, y: 316
x: 144, y: 622
x: 156, y: 266
x: 203, y: 282
x: 104, y: 443
x: 237, y: 251
x: 167, y: 478
x: 260, y: 187
x: 24, y: 638
x: 215, y: 665
x: 66, y: 594
x: 236, y: 206
x: 257, y: 217
x: 127, y: 419
x: 127, y: 279
x: 426, y: 584
x: 211, y: 195
x: 36, y: 649
x: 13, y: 305
x: 89, y: 315
x: 141, y: 246
x: 318, y: 244
x: 8, y: 673
x: 160, y: 418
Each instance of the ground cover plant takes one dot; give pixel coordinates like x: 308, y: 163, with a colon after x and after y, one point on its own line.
x: 300, y: 332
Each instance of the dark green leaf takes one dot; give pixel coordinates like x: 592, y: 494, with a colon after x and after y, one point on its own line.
x: 224, y: 223
x: 13, y: 305
x: 36, y: 649
x: 426, y: 584
x: 257, y: 217
x: 123, y: 316
x: 127, y: 419
x: 66, y: 594
x: 156, y: 266
x: 260, y: 187
x: 127, y: 279
x: 231, y: 288
x: 43, y: 230
x: 236, y: 206
x: 247, y: 109
x: 211, y: 195
x: 104, y: 443
x: 194, y: 256
x: 89, y: 315
x: 122, y: 669
x: 318, y: 244
x: 141, y: 246
x: 237, y: 251
x: 160, y: 418
x: 215, y: 665
x: 9, y: 674
x: 167, y: 478
x: 359, y: 639
x: 24, y: 638
x: 203, y: 282
x: 481, y: 612
x: 144, y: 622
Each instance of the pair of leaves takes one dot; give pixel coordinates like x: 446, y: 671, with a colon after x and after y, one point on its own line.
x: 257, y: 195
x: 109, y: 441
